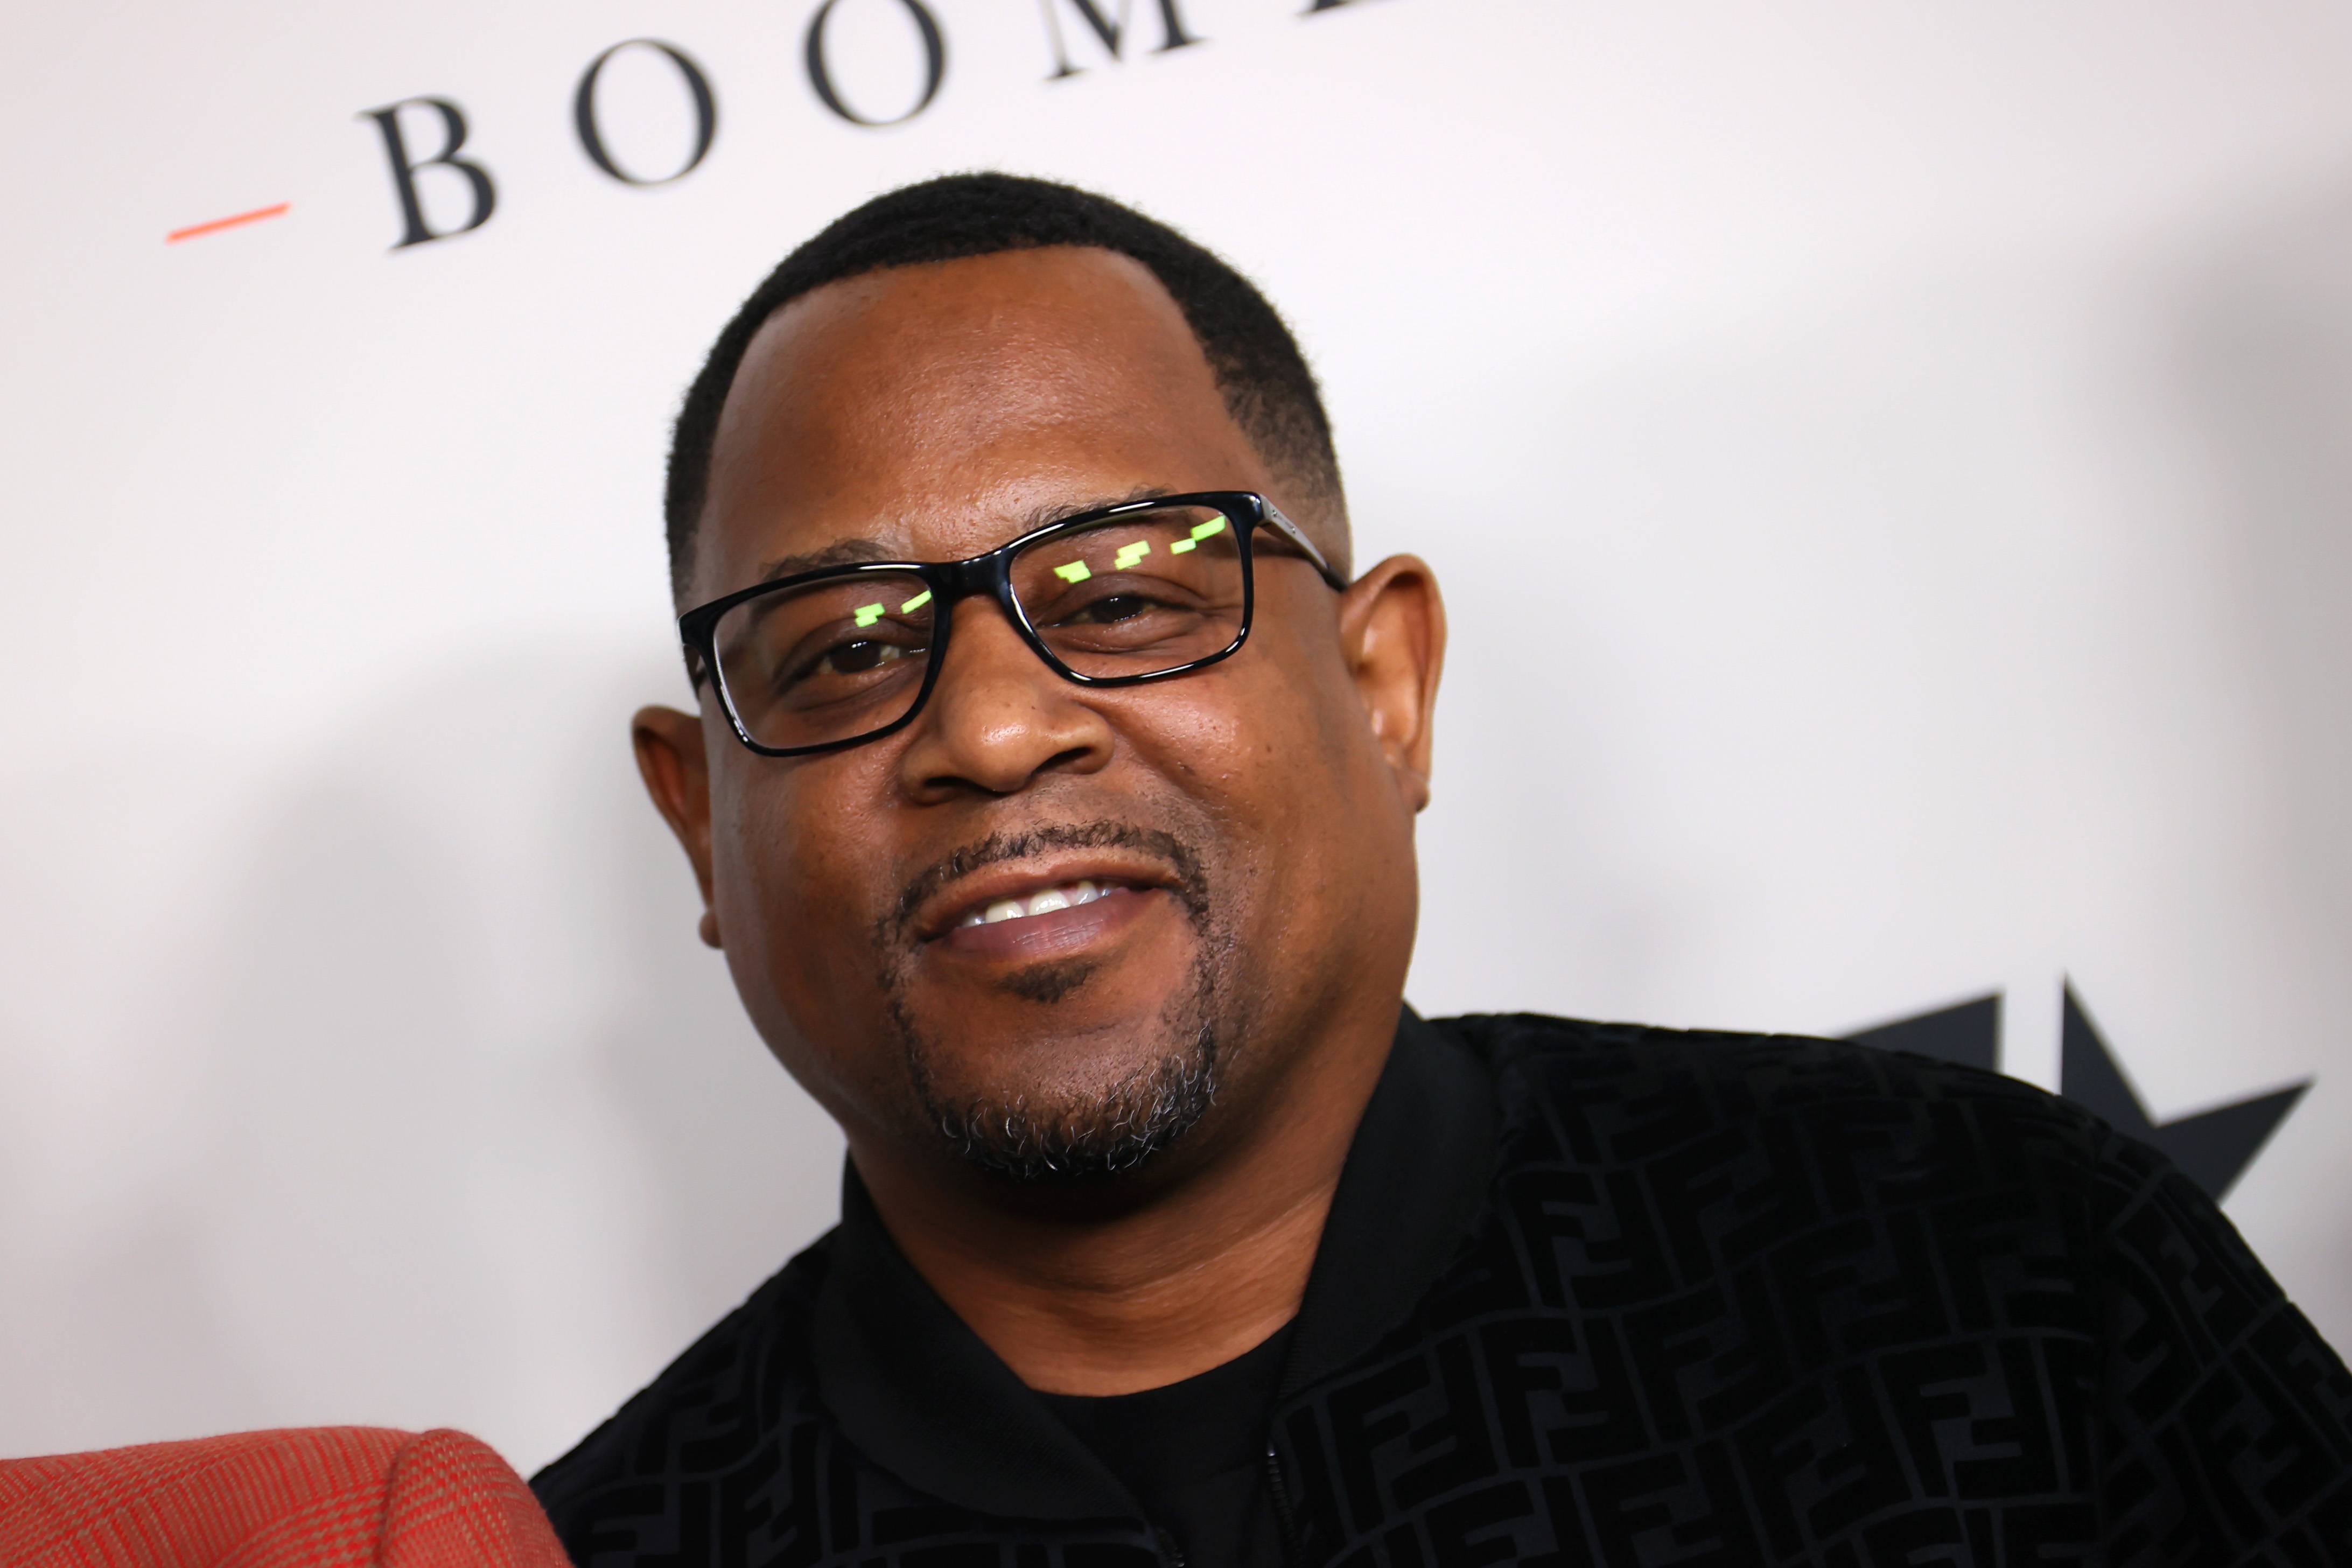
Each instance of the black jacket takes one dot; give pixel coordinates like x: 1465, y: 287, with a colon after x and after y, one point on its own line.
x: 1587, y: 1294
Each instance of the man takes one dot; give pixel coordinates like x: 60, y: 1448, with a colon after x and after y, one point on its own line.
x: 1052, y: 795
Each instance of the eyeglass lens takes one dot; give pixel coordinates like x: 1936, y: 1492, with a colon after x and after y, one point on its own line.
x: 1139, y: 595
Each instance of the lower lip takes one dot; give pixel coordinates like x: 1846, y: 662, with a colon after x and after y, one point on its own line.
x: 1057, y: 932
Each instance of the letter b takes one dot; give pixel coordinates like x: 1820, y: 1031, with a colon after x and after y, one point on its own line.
x: 404, y: 170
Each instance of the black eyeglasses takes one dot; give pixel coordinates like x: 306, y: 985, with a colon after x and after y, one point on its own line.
x: 1143, y: 590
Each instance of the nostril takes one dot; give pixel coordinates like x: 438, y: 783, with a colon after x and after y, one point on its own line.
x: 1002, y: 774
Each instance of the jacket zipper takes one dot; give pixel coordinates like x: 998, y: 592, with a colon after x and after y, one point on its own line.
x: 1284, y: 1521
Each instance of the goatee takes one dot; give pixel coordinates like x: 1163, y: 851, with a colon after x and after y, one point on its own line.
x: 1073, y: 1140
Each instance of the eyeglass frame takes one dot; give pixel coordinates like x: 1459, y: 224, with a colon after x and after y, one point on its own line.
x: 990, y: 573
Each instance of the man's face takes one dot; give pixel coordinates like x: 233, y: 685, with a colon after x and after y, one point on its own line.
x: 1232, y: 849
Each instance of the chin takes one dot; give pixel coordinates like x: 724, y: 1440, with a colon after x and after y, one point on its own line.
x: 1049, y: 1086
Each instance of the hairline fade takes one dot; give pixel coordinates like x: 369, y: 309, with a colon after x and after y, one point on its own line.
x: 1260, y: 371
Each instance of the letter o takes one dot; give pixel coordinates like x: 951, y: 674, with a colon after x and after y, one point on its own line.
x: 935, y: 61
x: 592, y: 138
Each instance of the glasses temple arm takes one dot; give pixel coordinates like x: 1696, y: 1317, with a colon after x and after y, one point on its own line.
x: 1291, y: 532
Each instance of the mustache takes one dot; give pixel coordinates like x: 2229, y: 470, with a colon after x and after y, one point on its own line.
x: 1181, y: 859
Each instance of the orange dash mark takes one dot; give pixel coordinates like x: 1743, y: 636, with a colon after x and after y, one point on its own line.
x: 218, y: 224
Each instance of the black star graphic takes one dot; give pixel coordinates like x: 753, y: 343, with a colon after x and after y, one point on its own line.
x: 1968, y: 1033
x: 2212, y: 1148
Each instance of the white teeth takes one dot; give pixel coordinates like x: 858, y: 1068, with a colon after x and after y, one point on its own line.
x: 1068, y: 895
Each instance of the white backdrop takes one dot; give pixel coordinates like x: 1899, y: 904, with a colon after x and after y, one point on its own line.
x: 1891, y: 467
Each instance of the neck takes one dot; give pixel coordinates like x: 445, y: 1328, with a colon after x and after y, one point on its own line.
x: 1203, y: 1263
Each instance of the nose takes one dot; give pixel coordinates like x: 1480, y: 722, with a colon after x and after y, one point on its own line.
x: 998, y: 719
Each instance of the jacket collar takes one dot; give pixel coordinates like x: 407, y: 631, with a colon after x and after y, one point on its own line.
x: 920, y: 1394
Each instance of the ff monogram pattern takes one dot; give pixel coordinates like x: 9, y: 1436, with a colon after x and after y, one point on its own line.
x: 1731, y: 1299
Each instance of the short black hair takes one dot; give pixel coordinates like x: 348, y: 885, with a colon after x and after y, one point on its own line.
x: 1267, y: 386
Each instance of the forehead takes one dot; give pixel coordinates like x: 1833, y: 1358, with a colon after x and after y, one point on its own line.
x: 931, y: 411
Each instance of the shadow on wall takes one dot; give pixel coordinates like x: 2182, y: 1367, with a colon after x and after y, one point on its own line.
x: 2261, y: 371
x: 491, y: 1138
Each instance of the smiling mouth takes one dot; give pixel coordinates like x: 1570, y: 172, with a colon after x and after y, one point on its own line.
x: 1051, y: 914
x: 1058, y: 887
x: 1060, y: 923
x: 1051, y: 900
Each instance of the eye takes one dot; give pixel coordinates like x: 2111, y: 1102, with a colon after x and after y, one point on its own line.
x: 1112, y: 608
x: 859, y: 658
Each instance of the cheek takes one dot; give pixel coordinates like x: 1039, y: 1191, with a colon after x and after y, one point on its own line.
x: 1223, y: 742
x: 1266, y: 751
x: 791, y: 886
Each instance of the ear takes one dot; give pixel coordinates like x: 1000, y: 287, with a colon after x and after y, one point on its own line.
x: 1392, y: 635
x: 677, y: 771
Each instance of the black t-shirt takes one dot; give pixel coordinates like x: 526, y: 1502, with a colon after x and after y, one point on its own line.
x: 1193, y: 1453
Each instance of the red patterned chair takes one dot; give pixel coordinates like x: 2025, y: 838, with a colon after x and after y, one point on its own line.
x: 327, y: 1497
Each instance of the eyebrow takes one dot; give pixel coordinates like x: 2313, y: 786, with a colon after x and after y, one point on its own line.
x: 840, y: 553
x: 1046, y: 516
x: 850, y: 551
